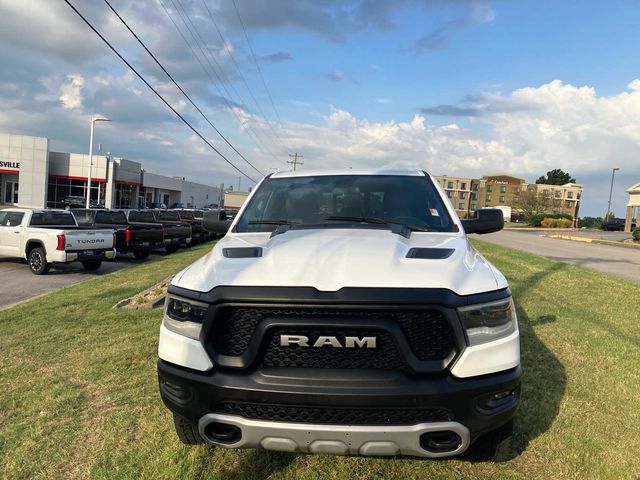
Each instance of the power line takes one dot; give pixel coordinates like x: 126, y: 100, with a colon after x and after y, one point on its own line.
x: 155, y: 91
x: 208, y: 72
x: 200, y: 42
x: 233, y: 58
x: 255, y: 60
x: 179, y: 87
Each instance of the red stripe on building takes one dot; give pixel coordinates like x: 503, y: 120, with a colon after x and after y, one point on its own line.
x: 6, y: 170
x: 93, y: 179
x: 124, y: 182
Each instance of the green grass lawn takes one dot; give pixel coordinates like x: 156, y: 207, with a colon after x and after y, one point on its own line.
x: 79, y: 399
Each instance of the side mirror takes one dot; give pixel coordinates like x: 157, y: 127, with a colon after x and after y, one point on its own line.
x: 487, y: 220
x: 215, y: 221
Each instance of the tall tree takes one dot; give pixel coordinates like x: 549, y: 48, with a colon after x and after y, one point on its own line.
x: 531, y: 202
x: 556, y: 177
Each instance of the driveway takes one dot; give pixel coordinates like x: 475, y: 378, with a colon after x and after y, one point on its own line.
x: 19, y: 284
x: 619, y: 261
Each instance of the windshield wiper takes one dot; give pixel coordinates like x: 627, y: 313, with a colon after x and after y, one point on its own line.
x: 377, y: 221
x: 271, y: 222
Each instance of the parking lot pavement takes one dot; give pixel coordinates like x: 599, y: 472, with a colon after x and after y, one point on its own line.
x: 619, y: 261
x: 19, y: 284
x: 599, y: 234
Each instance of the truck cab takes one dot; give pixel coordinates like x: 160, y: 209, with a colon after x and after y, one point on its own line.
x: 344, y: 312
x: 47, y: 237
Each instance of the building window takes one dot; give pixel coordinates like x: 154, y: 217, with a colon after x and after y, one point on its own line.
x: 474, y: 187
x: 474, y: 196
x: 124, y: 196
x: 461, y: 195
x: 489, y: 188
x: 557, y: 194
x: 449, y: 184
x: 449, y: 194
x: 488, y: 198
x: 569, y: 194
x: 501, y: 198
x: 503, y: 189
x: 461, y: 206
x: 473, y: 206
x: 516, y: 190
x: 463, y: 186
x: 60, y: 188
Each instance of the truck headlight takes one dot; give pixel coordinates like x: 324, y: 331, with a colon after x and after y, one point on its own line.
x: 184, y: 316
x: 486, y: 322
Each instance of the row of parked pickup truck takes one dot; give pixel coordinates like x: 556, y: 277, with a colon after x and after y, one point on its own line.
x: 45, y: 237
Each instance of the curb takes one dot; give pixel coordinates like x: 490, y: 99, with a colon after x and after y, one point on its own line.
x: 594, y: 240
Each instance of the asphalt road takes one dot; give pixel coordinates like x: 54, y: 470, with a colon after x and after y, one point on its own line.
x: 19, y: 284
x: 619, y: 261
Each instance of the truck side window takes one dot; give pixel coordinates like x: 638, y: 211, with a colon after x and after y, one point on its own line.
x: 11, y: 219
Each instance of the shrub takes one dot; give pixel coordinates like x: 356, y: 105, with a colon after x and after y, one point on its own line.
x: 556, y: 223
x: 536, y: 220
x: 590, y: 222
x: 636, y: 234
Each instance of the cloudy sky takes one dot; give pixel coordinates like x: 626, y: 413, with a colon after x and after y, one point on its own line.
x: 457, y: 87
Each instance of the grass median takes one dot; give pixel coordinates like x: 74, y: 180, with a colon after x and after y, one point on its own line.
x: 79, y: 399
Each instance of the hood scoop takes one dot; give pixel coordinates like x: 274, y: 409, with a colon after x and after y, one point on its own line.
x: 242, y: 252
x: 430, y: 253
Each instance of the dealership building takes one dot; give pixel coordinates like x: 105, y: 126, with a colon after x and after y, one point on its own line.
x: 32, y: 176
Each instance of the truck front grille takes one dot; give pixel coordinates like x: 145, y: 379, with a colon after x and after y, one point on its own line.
x: 335, y: 415
x: 384, y: 357
x: 427, y: 332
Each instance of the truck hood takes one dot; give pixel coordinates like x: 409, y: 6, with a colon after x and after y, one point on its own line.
x: 330, y: 259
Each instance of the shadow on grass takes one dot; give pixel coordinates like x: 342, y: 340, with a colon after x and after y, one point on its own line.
x: 259, y: 464
x: 544, y: 377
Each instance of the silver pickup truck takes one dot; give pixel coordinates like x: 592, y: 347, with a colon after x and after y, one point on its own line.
x: 46, y: 237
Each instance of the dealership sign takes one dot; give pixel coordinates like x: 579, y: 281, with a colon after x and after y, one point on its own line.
x: 14, y: 165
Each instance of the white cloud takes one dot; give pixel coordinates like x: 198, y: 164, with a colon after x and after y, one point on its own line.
x: 570, y: 128
x: 71, y: 92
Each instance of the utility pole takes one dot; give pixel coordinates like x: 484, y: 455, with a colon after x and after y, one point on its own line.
x: 613, y: 174
x: 239, y: 179
x: 295, y: 161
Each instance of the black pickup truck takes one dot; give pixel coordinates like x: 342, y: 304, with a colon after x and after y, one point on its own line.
x: 199, y: 234
x: 139, y: 238
x: 175, y: 233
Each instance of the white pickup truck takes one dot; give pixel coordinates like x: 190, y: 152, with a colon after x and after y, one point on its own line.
x: 45, y: 237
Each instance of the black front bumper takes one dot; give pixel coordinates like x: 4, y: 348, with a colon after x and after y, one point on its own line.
x: 193, y: 394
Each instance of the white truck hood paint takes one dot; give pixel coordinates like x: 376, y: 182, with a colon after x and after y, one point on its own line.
x: 330, y: 259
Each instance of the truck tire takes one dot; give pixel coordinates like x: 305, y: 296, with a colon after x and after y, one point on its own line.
x: 187, y: 431
x: 38, y: 261
x: 172, y: 248
x: 141, y: 254
x: 494, y: 446
x: 91, y: 265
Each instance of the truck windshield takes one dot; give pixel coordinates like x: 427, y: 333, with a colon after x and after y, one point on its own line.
x: 61, y: 219
x: 170, y: 216
x: 113, y: 218
x: 142, y: 217
x: 344, y: 199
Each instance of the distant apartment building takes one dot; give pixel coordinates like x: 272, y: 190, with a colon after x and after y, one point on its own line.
x: 458, y: 189
x: 503, y: 190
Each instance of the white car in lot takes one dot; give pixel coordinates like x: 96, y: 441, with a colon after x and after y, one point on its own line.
x: 45, y: 237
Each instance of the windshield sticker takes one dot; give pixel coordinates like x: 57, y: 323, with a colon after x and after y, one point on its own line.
x: 434, y: 212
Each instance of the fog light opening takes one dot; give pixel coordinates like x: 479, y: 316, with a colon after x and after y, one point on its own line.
x: 440, y: 442
x: 222, y: 432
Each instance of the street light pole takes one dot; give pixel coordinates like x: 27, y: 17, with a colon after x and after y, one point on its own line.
x: 613, y: 174
x: 93, y: 121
